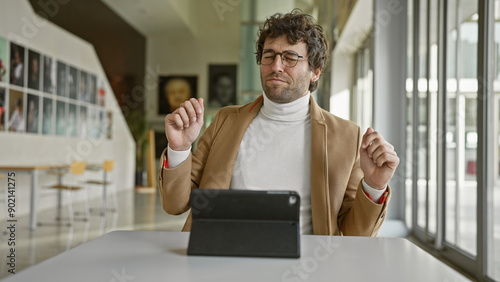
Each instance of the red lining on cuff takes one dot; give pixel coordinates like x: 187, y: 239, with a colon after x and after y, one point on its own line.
x: 165, y: 165
x: 382, y: 199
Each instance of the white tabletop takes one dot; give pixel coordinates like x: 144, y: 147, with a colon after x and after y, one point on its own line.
x: 161, y: 256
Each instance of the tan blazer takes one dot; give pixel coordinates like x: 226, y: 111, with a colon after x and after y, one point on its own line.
x: 339, y: 205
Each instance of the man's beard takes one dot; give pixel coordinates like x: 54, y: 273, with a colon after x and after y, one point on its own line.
x: 284, y: 93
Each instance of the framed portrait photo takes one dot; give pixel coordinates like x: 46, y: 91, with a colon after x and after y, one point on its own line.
x: 221, y: 85
x: 16, y: 111
x: 47, y: 116
x: 61, y: 118
x: 32, y: 113
x: 34, y: 69
x: 49, y: 75
x: 62, y: 79
x: 17, y: 64
x: 173, y: 90
x: 73, y: 81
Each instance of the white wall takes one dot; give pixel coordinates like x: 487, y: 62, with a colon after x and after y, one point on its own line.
x: 19, y: 24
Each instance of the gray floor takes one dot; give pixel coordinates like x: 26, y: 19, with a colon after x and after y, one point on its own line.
x: 137, y: 211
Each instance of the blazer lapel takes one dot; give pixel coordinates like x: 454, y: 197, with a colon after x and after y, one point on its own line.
x: 320, y: 198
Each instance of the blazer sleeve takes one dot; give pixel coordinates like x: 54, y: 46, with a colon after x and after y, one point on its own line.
x: 175, y: 184
x: 360, y: 216
x: 365, y: 217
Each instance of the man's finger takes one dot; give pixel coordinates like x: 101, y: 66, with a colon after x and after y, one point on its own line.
x: 366, y: 138
x: 199, y: 107
x: 181, y: 112
x: 190, y: 110
x: 383, y: 150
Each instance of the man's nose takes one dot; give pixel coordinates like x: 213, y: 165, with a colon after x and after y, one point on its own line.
x: 277, y: 65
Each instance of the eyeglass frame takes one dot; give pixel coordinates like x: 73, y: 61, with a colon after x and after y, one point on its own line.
x: 281, y: 55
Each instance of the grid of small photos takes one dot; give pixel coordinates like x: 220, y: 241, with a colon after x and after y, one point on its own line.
x: 41, y: 94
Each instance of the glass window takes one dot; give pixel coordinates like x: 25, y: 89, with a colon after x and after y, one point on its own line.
x: 461, y: 136
x: 421, y: 138
x: 409, y: 120
x: 433, y: 135
x: 461, y: 185
x: 451, y: 130
x: 493, y: 238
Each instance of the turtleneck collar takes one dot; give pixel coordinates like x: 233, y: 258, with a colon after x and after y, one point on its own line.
x: 294, y: 111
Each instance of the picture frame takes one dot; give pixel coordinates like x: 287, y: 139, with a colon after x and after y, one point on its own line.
x: 34, y: 70
x: 47, y: 116
x: 17, y: 64
x: 32, y: 113
x: 173, y: 90
x: 222, y: 85
x: 16, y: 120
x: 49, y: 75
x: 62, y: 79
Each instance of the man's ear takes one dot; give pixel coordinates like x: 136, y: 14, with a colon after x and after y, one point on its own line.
x: 315, y: 74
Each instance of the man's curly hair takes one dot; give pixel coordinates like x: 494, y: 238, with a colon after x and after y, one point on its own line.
x: 298, y: 27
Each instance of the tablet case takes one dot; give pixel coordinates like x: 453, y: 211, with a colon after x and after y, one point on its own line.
x: 244, y: 223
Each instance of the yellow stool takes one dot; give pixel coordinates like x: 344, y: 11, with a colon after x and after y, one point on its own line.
x: 107, y: 168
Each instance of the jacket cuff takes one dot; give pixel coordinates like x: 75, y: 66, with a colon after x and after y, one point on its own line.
x: 175, y: 158
x: 376, y: 195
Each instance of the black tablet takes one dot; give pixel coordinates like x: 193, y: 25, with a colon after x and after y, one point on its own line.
x: 244, y: 223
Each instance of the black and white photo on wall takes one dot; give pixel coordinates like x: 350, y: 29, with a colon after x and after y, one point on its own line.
x: 173, y: 90
x: 17, y: 64
x: 32, y: 113
x: 73, y: 82
x: 72, y: 120
x: 62, y: 79
x: 49, y: 75
x: 222, y: 85
x: 61, y: 118
x: 92, y: 89
x: 47, y: 116
x: 83, y: 123
x: 102, y: 125
x: 83, y: 90
x: 34, y: 70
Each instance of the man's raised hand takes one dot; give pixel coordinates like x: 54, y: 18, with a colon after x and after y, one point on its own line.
x: 183, y: 126
x: 378, y: 159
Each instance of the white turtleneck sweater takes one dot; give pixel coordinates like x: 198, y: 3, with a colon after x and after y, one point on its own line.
x: 275, y: 154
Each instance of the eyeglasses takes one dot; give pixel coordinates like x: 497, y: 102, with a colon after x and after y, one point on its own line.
x: 288, y: 58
